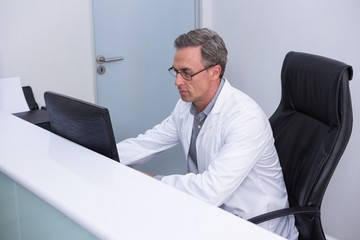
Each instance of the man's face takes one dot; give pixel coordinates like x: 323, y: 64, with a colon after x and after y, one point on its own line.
x: 199, y: 90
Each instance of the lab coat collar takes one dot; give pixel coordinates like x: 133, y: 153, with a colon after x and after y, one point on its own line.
x: 222, y: 98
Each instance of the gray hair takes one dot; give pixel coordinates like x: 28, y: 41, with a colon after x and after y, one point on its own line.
x: 213, y: 49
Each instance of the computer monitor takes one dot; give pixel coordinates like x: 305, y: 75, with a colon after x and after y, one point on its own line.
x: 82, y: 122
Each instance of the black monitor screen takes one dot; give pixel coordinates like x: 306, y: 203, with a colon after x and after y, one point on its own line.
x: 82, y: 122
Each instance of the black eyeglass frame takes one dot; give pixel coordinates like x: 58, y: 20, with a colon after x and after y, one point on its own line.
x: 188, y: 76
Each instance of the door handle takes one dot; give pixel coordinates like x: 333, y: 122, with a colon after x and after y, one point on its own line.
x: 101, y: 59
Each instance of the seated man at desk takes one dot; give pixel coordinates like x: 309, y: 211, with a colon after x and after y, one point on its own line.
x: 226, y: 138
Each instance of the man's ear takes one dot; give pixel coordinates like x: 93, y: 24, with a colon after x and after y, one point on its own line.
x: 216, y: 71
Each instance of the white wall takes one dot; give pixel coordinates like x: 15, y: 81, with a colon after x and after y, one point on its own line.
x: 258, y: 34
x: 49, y: 45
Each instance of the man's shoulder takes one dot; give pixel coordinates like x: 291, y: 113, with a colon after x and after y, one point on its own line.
x: 235, y: 99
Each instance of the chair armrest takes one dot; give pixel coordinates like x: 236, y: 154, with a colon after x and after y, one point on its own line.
x: 284, y: 212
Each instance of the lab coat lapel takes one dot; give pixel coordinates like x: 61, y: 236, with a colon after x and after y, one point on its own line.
x: 211, y: 122
x: 187, y: 126
x: 213, y: 116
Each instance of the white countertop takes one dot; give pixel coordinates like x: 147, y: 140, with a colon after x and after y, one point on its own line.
x: 110, y: 200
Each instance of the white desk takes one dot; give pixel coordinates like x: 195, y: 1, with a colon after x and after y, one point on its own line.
x: 110, y: 200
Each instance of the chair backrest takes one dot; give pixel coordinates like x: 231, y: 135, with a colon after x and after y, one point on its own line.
x: 311, y: 127
x: 29, y: 97
x: 82, y: 122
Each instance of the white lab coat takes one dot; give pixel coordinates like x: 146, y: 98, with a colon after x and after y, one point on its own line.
x: 238, y: 165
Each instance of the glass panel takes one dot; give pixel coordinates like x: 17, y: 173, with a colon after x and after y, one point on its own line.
x: 23, y: 215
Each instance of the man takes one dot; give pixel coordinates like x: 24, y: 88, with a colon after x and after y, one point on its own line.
x: 226, y: 138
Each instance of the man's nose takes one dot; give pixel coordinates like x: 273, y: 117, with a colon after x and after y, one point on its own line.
x: 179, y: 80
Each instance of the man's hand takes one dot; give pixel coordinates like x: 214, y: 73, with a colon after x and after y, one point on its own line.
x: 149, y: 174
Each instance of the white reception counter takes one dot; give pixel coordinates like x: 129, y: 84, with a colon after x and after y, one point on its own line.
x: 108, y: 199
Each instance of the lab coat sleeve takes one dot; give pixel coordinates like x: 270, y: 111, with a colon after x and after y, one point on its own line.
x: 137, y: 150
x: 244, y: 141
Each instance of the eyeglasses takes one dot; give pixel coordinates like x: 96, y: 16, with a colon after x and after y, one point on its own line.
x: 185, y: 75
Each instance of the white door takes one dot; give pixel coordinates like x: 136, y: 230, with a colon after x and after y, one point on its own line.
x: 137, y: 88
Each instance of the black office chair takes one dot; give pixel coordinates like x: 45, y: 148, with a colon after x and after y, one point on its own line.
x: 311, y: 127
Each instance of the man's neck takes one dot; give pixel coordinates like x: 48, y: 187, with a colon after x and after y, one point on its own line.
x: 200, y: 106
